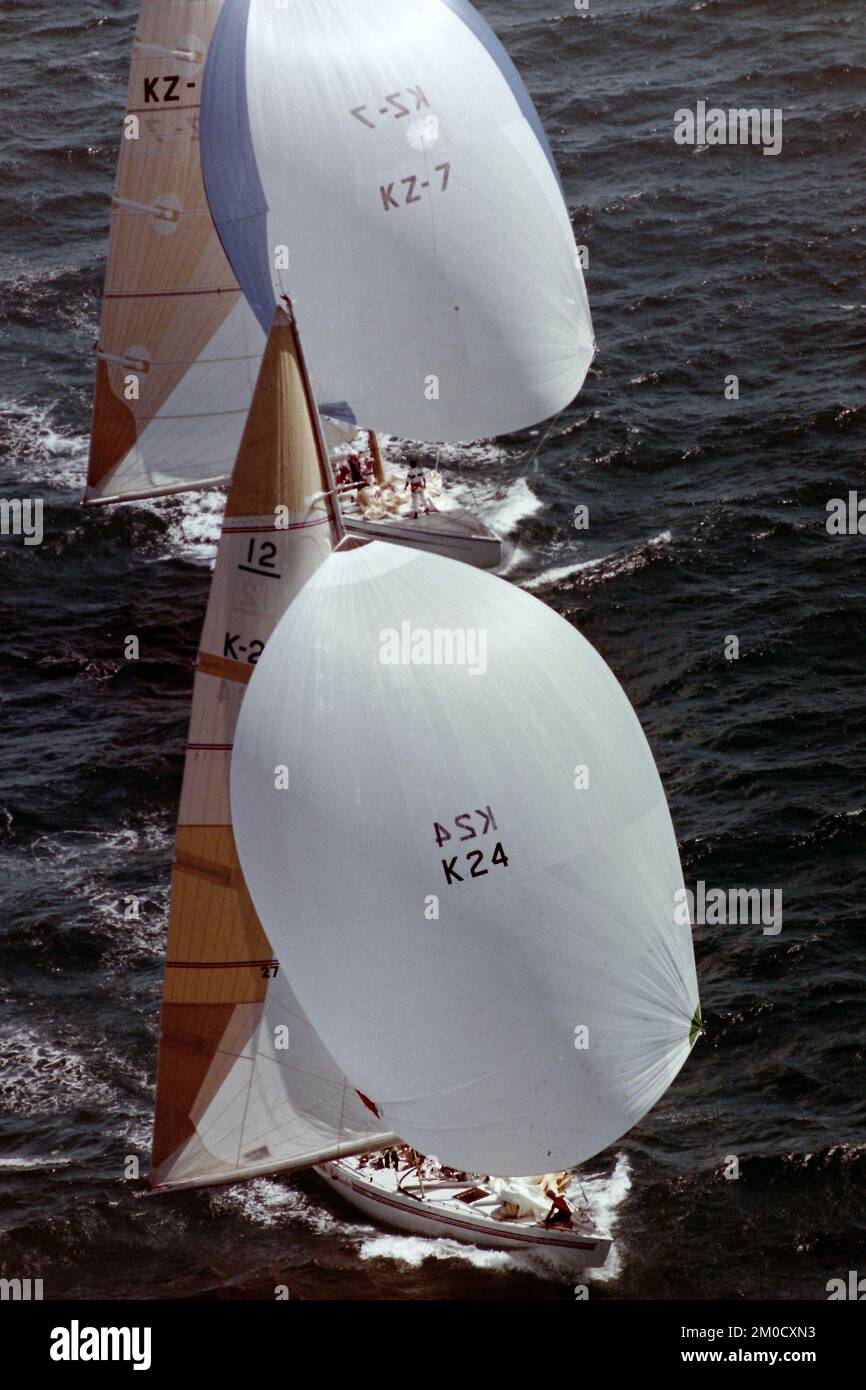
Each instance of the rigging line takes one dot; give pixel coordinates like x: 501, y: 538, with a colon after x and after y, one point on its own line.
x: 584, y: 1191
x: 540, y: 445
x: 531, y: 457
x: 257, y: 1051
x: 341, y: 1129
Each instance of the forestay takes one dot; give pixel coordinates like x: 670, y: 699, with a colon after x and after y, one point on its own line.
x: 473, y: 865
x: 383, y: 163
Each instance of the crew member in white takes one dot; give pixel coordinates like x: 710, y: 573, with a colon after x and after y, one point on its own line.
x: 416, y: 479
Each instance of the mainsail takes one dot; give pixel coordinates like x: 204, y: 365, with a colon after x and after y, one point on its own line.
x: 484, y: 874
x: 245, y: 1085
x: 382, y: 162
x: 178, y: 347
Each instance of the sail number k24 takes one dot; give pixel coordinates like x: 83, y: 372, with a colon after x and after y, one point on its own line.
x: 469, y: 825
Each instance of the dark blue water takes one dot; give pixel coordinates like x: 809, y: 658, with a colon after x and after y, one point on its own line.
x: 707, y: 520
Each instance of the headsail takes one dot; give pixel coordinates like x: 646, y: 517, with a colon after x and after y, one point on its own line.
x: 383, y: 163
x: 178, y: 347
x: 484, y: 873
x: 244, y: 1084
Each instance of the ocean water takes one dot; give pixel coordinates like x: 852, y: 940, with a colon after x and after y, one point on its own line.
x: 707, y: 520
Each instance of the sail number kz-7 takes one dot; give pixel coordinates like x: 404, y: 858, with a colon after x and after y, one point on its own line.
x: 393, y: 106
x: 390, y: 199
x: 402, y: 192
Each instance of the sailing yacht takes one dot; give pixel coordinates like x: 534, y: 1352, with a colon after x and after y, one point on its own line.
x: 245, y: 1085
x: 450, y: 323
x: 179, y: 346
x: 468, y: 868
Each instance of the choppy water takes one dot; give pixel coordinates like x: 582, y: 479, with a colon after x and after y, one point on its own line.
x: 707, y: 519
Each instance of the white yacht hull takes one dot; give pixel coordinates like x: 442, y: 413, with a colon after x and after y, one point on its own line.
x: 452, y: 533
x: 375, y: 1193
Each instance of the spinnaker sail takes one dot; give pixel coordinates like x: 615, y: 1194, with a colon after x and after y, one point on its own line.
x: 244, y: 1084
x: 484, y: 874
x: 382, y: 162
x: 179, y: 347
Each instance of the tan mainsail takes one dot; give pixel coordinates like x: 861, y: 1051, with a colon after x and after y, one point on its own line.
x: 244, y: 1084
x: 179, y: 348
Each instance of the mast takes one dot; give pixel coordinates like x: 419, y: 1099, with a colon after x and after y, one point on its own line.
x: 231, y: 1100
x: 378, y: 469
x: 329, y: 482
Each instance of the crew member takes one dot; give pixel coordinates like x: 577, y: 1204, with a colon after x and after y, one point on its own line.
x: 560, y: 1211
x: 416, y: 479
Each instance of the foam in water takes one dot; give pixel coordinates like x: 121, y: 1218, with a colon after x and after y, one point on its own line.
x: 414, y: 1250
x: 52, y: 459
x: 92, y: 866
x: 195, y: 521
x: 24, y: 1164
x: 42, y: 1076
x: 619, y: 563
x: 267, y: 1202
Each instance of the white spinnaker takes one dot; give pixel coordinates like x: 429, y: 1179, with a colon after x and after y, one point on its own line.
x: 460, y: 1004
x: 389, y: 155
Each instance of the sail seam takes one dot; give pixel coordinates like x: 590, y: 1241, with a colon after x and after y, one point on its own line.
x: 148, y: 110
x: 217, y: 964
x: 169, y: 294
x: 292, y: 526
